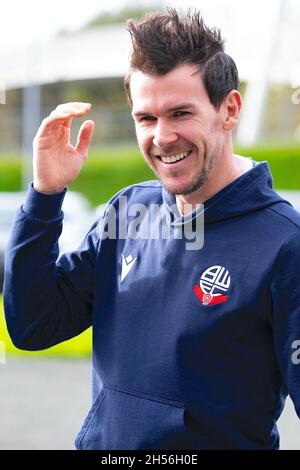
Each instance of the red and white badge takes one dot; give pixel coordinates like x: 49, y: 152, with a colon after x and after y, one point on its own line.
x: 213, y: 284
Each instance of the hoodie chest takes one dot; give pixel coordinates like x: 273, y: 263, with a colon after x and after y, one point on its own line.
x: 224, y: 276
x: 168, y: 306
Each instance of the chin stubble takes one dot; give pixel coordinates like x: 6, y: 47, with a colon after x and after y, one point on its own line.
x: 194, y: 185
x: 199, y: 181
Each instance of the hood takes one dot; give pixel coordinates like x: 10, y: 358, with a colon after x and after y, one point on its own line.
x: 249, y: 192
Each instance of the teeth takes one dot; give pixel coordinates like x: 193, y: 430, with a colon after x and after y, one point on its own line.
x: 175, y: 158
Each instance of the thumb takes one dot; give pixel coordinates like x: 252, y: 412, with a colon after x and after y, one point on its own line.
x: 84, y: 137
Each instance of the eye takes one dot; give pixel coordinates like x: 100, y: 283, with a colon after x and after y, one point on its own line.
x: 179, y: 114
x: 147, y: 118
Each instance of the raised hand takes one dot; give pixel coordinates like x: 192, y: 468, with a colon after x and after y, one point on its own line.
x: 56, y: 162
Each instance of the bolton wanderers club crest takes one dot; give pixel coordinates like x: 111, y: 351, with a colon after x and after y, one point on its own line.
x: 213, y: 285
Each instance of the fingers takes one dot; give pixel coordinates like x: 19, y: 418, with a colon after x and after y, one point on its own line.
x: 84, y: 137
x: 72, y: 108
x: 63, y: 115
x: 66, y: 112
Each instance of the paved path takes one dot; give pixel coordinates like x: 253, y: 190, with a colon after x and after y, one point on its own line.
x: 44, y: 401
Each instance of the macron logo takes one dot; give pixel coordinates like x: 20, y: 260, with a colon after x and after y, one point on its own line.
x: 127, y: 264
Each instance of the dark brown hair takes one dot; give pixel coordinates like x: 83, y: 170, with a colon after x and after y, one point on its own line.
x: 163, y: 40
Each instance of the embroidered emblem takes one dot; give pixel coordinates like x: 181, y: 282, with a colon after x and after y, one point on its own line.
x: 214, y: 282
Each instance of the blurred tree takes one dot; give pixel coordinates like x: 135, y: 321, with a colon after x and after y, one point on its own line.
x: 117, y: 17
x: 122, y: 15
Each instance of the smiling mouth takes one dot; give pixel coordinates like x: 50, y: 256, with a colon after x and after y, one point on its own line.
x: 174, y: 158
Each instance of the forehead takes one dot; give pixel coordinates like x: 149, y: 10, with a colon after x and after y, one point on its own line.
x: 158, y: 93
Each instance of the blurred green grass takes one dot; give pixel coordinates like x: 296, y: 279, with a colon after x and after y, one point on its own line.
x: 108, y: 170
x: 79, y: 346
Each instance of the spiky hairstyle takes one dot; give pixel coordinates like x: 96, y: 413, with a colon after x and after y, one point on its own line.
x: 162, y: 41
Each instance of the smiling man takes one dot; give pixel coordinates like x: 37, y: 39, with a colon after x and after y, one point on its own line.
x: 192, y: 349
x: 183, y: 137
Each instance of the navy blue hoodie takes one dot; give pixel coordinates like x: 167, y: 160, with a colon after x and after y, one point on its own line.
x: 192, y: 349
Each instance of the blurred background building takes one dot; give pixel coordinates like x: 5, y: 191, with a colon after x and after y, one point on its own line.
x: 88, y: 64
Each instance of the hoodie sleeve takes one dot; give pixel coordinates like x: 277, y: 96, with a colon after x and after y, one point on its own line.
x: 285, y: 290
x: 46, y: 300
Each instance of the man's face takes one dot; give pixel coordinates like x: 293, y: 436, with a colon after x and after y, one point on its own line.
x: 179, y: 132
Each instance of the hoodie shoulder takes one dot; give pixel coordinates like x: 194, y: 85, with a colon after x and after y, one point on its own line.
x: 287, y: 213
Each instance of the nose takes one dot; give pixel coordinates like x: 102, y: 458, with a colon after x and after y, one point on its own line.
x: 164, y: 134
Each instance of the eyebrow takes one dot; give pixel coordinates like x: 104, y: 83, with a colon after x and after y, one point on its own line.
x: 170, y: 110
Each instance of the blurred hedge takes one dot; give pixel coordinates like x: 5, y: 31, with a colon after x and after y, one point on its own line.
x: 110, y: 169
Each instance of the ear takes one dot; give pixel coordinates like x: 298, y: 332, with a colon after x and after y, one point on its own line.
x: 232, y: 106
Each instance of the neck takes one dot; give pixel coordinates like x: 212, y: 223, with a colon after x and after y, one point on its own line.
x: 223, y: 173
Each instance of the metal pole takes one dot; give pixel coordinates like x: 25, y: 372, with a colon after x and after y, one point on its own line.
x: 249, y: 128
x: 31, y: 116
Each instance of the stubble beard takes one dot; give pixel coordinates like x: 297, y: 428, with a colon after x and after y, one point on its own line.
x: 199, y: 180
x: 195, y: 184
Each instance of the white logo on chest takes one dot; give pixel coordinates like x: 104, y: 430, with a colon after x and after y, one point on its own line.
x: 127, y: 264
